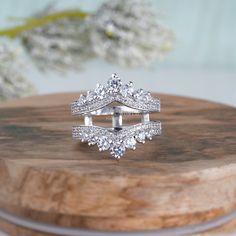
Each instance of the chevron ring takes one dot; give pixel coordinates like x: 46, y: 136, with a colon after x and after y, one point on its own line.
x: 116, y: 99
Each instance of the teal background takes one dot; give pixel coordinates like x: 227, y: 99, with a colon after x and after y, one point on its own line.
x: 202, y: 64
x: 205, y: 29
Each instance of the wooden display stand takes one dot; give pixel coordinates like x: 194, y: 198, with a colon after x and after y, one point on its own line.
x: 185, y: 176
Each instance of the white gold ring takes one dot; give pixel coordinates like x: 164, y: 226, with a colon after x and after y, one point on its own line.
x: 103, y: 101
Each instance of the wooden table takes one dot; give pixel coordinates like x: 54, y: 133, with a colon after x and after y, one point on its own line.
x: 186, y: 176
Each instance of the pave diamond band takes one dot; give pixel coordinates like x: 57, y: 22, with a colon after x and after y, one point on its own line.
x: 82, y: 106
x: 108, y: 139
x: 101, y: 101
x: 115, y: 91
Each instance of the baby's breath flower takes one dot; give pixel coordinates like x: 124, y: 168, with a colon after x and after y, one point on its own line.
x: 59, y: 45
x: 127, y: 32
x: 12, y: 82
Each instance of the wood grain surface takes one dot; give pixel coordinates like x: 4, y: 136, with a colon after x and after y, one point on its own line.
x: 185, y: 176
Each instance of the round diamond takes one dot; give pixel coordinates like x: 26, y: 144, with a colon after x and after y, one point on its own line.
x: 114, y: 76
x: 127, y: 89
x: 82, y: 99
x: 114, y: 84
x: 93, y: 140
x: 138, y: 94
x: 117, y: 151
x: 103, y: 144
x: 142, y: 95
x: 146, y: 96
x: 150, y: 133
x: 100, y: 91
x: 91, y: 96
x: 130, y: 143
x: 84, y: 137
x: 140, y: 137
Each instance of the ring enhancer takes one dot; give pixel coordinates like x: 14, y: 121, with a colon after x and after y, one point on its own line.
x: 118, y: 138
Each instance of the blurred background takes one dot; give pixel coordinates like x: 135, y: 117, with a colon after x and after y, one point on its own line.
x: 178, y: 47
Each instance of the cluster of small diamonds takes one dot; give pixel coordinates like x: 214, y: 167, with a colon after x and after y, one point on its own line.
x: 117, y: 141
x: 115, y: 90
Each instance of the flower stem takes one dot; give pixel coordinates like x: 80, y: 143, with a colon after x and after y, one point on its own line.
x: 31, y: 23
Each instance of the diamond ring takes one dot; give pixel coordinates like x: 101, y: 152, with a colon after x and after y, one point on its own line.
x: 103, y: 100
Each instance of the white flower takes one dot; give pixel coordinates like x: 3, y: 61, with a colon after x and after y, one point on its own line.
x: 127, y: 32
x: 59, y: 45
x: 12, y: 82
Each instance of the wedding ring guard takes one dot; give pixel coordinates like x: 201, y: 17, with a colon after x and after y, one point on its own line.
x: 100, y: 102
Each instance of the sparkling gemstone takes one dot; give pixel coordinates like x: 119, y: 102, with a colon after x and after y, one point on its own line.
x: 149, y: 134
x: 114, y: 76
x: 114, y: 84
x: 127, y: 89
x: 91, y: 96
x: 140, y: 137
x: 103, y: 144
x: 138, y: 94
x: 146, y: 97
x: 142, y: 95
x: 84, y: 137
x: 100, y: 91
x: 117, y: 151
x: 82, y: 99
x: 93, y: 140
x: 130, y: 143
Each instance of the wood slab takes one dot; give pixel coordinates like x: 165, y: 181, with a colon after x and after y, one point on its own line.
x: 186, y: 176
